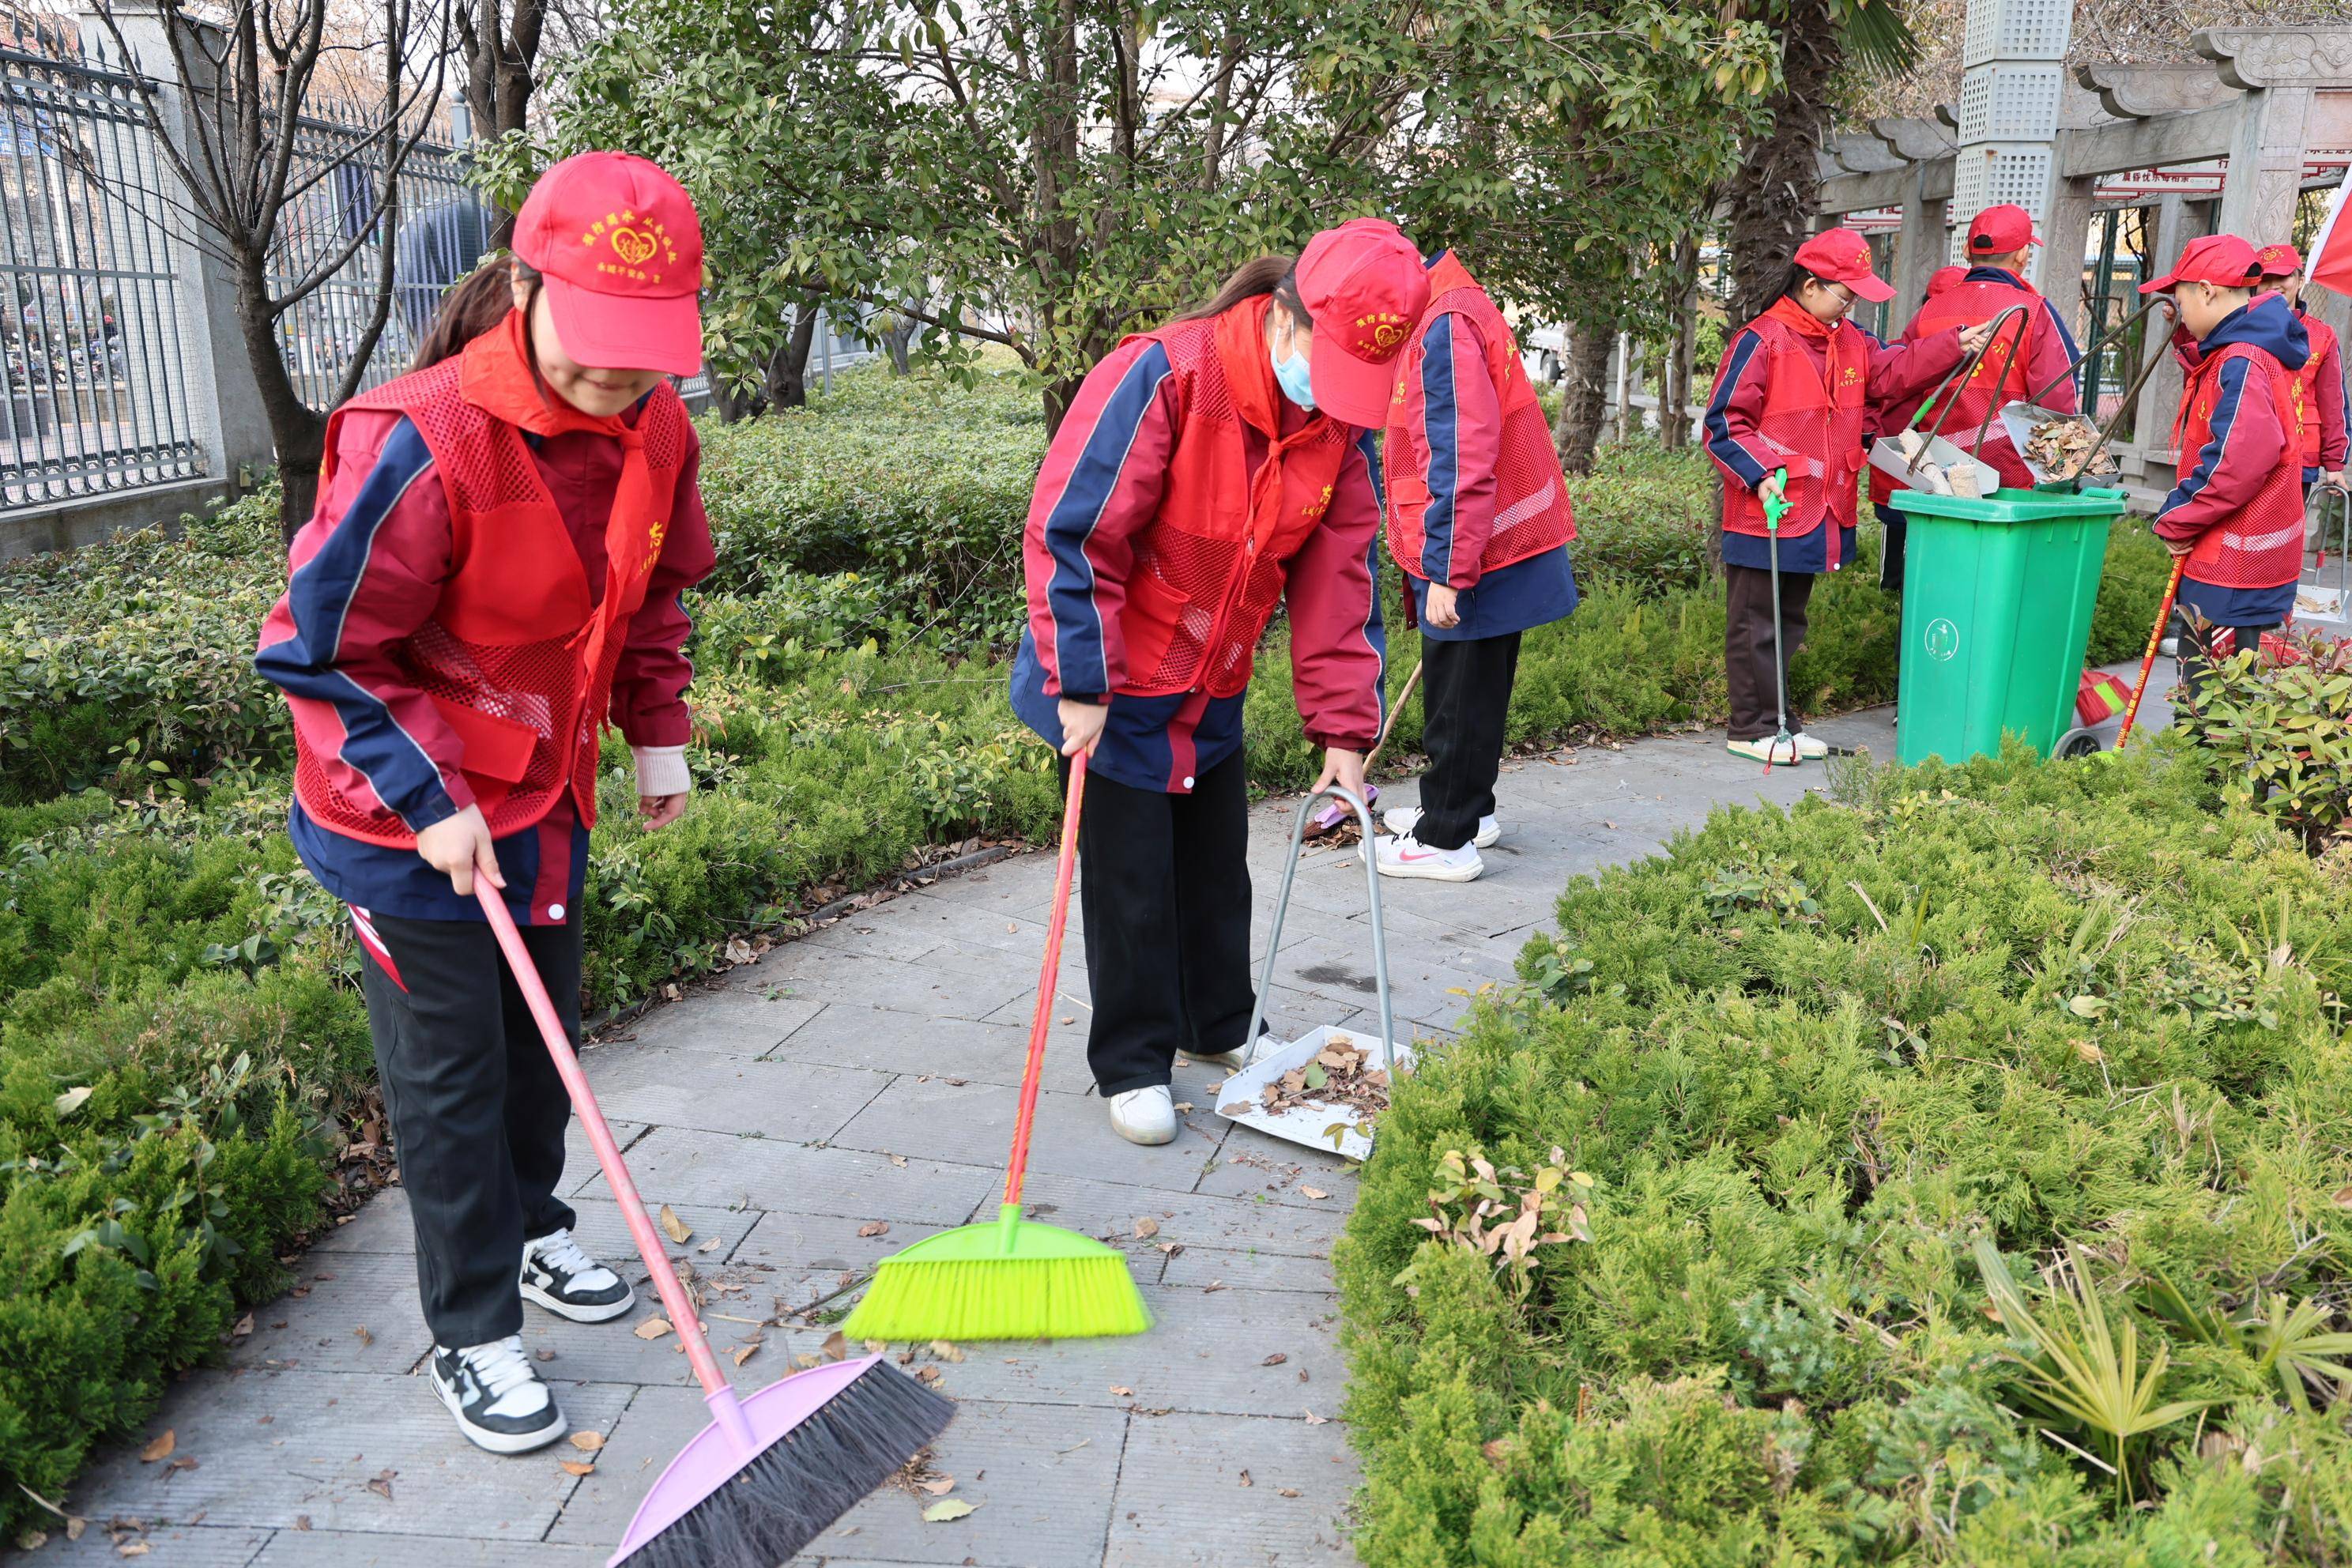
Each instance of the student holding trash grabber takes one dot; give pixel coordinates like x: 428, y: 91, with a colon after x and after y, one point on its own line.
x: 1786, y: 421
x: 1208, y: 471
x: 2235, y: 520
x: 1480, y: 519
x: 2029, y: 358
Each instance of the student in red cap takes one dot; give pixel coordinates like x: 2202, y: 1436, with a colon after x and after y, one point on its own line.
x: 2025, y: 358
x: 492, y: 575
x: 1208, y: 471
x: 1480, y: 519
x: 1797, y: 387
x: 2321, y: 376
x: 2237, y: 512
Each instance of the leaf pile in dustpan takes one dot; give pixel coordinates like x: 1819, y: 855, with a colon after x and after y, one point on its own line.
x: 2057, y: 445
x: 1339, y: 1077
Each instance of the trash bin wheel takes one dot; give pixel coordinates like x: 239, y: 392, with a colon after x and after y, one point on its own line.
x: 2077, y: 743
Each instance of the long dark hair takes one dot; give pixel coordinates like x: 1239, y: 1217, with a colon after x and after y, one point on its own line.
x: 1797, y: 277
x: 1275, y: 274
x: 478, y: 301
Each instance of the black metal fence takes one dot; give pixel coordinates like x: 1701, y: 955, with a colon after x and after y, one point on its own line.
x: 97, y: 387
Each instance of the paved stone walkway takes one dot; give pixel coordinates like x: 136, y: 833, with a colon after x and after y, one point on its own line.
x: 867, y: 1074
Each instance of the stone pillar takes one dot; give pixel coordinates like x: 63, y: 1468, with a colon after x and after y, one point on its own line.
x: 227, y: 412
x: 2066, y: 234
x: 1922, y: 245
x: 2282, y: 70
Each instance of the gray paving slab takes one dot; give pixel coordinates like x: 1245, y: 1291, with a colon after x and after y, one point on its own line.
x: 168, y: 1545
x: 1109, y: 1210
x: 971, y: 1124
x: 356, y: 1312
x: 349, y: 1549
x: 381, y: 1224
x: 727, y: 1021
x: 272, y: 1449
x: 671, y: 1086
x: 677, y: 1166
x: 886, y: 1038
x: 1198, y: 1266
x: 790, y: 1259
x: 1181, y: 1497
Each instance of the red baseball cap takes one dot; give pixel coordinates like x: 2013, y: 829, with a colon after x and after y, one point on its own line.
x: 1364, y: 287
x: 1999, y: 230
x: 618, y: 243
x: 1842, y: 255
x: 2279, y: 260
x: 1944, y: 278
x: 2222, y: 259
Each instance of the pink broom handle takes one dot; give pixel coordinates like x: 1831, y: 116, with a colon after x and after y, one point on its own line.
x: 682, y: 1315
x: 1048, y: 978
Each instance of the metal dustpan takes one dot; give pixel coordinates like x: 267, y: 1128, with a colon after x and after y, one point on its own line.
x: 1317, y: 1124
x: 1886, y: 457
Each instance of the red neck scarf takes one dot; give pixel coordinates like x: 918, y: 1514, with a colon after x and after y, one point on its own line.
x: 1805, y: 324
x: 501, y: 377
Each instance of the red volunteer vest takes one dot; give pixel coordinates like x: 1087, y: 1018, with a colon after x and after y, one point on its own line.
x: 1210, y: 566
x: 2306, y: 382
x: 1817, y: 418
x: 2261, y: 545
x: 514, y: 658
x: 1532, y: 514
x: 2000, y: 376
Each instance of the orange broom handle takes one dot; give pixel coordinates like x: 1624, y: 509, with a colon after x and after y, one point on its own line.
x: 1049, y: 978
x: 2155, y: 640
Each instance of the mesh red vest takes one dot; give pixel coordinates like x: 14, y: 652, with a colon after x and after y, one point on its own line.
x: 1819, y: 422
x: 2000, y: 376
x: 1532, y: 513
x: 2306, y: 381
x: 518, y: 672
x: 1210, y: 566
x: 2261, y: 545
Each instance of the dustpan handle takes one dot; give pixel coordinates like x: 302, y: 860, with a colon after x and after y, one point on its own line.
x: 1049, y: 976
x: 1967, y: 368
x: 1282, y: 908
x: 674, y: 1299
x: 2092, y: 345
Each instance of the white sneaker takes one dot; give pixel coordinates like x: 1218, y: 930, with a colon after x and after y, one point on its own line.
x: 1402, y: 855
x: 1402, y: 818
x: 1768, y: 749
x: 1239, y: 1056
x: 568, y: 1282
x: 497, y: 1396
x: 1810, y: 749
x: 1144, y: 1115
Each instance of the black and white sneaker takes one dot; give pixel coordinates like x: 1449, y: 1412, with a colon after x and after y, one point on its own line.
x: 568, y: 1282
x: 497, y: 1396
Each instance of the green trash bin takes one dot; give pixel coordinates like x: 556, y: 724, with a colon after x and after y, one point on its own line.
x: 1997, y: 598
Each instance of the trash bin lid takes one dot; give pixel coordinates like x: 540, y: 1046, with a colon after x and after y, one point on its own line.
x: 2010, y: 505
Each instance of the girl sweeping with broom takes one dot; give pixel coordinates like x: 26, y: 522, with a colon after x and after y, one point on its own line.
x: 1208, y: 471
x: 492, y: 574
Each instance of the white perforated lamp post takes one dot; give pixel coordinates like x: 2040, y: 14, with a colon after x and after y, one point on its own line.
x: 2014, y: 56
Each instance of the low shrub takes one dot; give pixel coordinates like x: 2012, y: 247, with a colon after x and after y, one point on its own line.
x: 2282, y: 726
x: 1834, y: 1075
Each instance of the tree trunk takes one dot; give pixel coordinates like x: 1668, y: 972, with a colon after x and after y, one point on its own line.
x: 900, y: 340
x: 1673, y: 412
x: 297, y: 433
x: 734, y: 407
x: 1771, y: 197
x: 788, y: 371
x: 1584, y: 395
x: 500, y: 50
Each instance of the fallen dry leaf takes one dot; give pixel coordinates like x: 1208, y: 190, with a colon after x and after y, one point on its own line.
x: 543, y: 1353
x: 576, y: 1467
x: 946, y: 1351
x: 711, y: 1246
x: 1245, y: 1480
x: 1314, y: 1420
x: 1170, y: 1247
x: 1290, y: 1492
x: 161, y: 1449
x: 677, y: 1229
x: 1122, y: 1393
x: 836, y: 1345
x: 938, y: 1486
x: 1276, y: 1359
x: 1211, y: 1288
x: 875, y: 1347
x: 874, y: 1227
x: 804, y: 1360
x: 301, y: 1521
x: 362, y: 1334
x: 653, y: 1328
x: 132, y: 1549
x: 244, y: 1327
x: 930, y: 1375
x: 900, y: 1160
x: 587, y: 1442
x: 380, y: 1483
x: 182, y: 1463
x: 745, y: 1353
x: 1315, y: 1192
x: 946, y: 1508
x: 1146, y: 1228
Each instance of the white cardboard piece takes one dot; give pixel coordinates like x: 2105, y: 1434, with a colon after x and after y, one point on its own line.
x: 1306, y: 1123
x: 1887, y: 458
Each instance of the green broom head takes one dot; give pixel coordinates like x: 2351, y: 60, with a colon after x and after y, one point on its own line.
x: 1007, y: 1280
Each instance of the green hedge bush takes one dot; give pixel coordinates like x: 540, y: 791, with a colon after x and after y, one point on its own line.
x: 1795, y: 1069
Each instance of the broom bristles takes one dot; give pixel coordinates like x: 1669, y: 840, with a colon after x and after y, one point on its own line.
x: 1001, y: 1298
x: 795, y: 1489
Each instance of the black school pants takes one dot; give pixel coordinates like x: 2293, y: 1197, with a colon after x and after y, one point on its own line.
x: 1466, y: 697
x: 1748, y: 661
x: 478, y: 1111
x: 1165, y: 892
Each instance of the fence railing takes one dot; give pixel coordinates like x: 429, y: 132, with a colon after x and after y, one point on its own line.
x: 97, y: 393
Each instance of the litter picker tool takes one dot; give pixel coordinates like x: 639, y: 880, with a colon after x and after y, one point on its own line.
x: 1010, y: 1278
x: 1922, y: 463
x: 2071, y: 481
x: 1331, y: 1061
x: 774, y: 1469
x: 1334, y: 814
x: 2154, y: 639
x: 1775, y: 507
x: 2027, y: 414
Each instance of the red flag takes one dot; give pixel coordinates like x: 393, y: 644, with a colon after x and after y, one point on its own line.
x: 2330, y: 262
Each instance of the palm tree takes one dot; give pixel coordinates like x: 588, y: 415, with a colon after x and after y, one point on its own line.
x: 1769, y: 203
